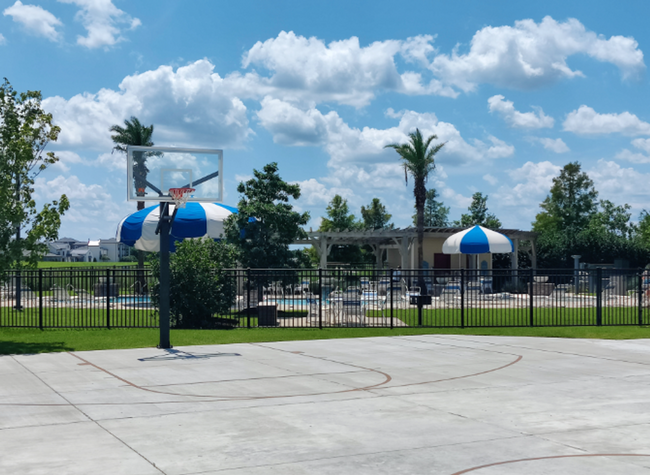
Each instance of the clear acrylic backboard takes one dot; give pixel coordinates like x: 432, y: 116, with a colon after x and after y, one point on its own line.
x: 152, y: 171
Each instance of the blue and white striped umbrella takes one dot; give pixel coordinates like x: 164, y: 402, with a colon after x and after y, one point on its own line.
x: 196, y: 220
x: 477, y: 240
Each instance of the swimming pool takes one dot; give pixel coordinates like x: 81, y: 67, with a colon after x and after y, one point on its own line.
x: 289, y: 302
x: 142, y: 300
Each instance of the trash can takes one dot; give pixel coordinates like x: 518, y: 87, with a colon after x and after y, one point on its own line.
x: 267, y: 316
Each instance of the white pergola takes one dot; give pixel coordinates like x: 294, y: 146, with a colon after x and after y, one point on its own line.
x: 403, y: 240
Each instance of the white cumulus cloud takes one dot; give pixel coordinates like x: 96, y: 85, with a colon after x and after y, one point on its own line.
x: 554, y: 145
x: 103, y: 21
x: 292, y: 125
x: 67, y: 158
x: 36, y: 20
x: 306, y: 70
x: 586, y: 121
x: 189, y: 107
x: 643, y: 144
x: 91, y: 205
x: 313, y: 192
x: 514, y: 118
x: 492, y: 180
x: 636, y: 157
x: 621, y: 185
x: 529, y: 55
x: 528, y: 188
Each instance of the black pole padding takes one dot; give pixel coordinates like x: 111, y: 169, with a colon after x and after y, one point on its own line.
x: 163, y: 224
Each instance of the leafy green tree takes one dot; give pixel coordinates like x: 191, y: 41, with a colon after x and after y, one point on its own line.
x: 436, y: 215
x: 417, y: 157
x: 200, y: 287
x: 574, y: 222
x: 266, y: 224
x: 644, y: 227
x: 340, y: 219
x: 375, y: 215
x: 478, y: 214
x: 570, y: 205
x: 25, y: 131
x: 614, y: 220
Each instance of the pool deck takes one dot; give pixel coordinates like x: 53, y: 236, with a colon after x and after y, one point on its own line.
x: 439, y: 404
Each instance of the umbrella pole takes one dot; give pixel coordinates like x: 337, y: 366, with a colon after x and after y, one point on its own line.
x: 164, y: 227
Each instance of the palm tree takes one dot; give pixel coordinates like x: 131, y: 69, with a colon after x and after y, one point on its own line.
x: 134, y: 133
x: 418, y: 160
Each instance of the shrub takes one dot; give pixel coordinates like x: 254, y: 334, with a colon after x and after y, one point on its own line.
x: 199, y: 286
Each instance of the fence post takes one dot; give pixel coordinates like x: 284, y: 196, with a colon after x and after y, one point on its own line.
x: 320, y: 298
x: 421, y: 284
x: 40, y: 298
x: 248, y: 297
x: 462, y: 298
x: 599, y: 296
x: 108, y: 298
x: 390, y: 292
x: 531, y: 305
x: 640, y: 297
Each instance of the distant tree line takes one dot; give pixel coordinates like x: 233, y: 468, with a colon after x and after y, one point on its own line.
x: 573, y: 221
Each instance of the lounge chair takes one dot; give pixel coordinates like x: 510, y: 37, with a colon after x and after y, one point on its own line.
x: 302, y: 288
x: 451, y: 293
x: 60, y: 295
x: 396, y: 293
x: 274, y: 290
x: 315, y: 306
x: 382, y: 286
x: 353, y: 311
x: 373, y: 301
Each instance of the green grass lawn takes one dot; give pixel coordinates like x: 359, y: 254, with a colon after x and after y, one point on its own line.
x: 96, y: 317
x: 83, y: 265
x: 22, y: 341
x: 31, y: 340
x: 507, y: 317
x: 62, y: 317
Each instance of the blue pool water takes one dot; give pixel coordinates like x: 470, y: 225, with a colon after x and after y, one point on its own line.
x: 289, y: 302
x: 142, y: 300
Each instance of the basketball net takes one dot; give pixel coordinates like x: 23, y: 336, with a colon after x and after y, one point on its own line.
x: 180, y: 196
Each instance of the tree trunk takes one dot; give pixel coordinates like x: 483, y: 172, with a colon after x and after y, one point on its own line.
x: 420, y: 198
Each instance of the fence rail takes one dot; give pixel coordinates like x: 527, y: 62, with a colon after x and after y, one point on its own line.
x: 342, y: 297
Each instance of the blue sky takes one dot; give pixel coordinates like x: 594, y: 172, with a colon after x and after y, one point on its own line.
x: 515, y: 89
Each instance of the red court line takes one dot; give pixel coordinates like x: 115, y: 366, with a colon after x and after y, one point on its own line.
x: 533, y: 459
x: 216, y: 398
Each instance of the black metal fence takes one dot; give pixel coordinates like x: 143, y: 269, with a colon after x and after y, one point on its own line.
x: 343, y: 297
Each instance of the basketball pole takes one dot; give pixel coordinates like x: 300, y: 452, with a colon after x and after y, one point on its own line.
x: 164, y: 225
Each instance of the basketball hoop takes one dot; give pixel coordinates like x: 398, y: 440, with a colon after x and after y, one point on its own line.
x: 180, y: 196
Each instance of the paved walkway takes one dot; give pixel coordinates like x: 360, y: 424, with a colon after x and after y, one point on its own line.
x: 427, y: 404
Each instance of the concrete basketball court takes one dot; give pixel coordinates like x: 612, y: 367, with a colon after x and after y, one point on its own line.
x: 430, y: 404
